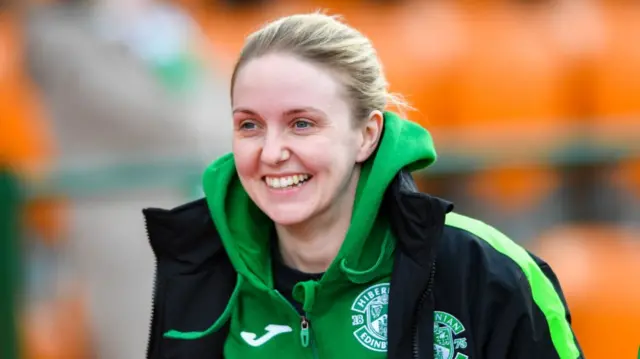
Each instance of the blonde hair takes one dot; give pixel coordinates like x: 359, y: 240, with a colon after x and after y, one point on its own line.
x: 324, y: 40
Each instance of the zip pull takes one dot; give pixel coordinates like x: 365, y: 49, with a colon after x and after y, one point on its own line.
x: 304, y: 331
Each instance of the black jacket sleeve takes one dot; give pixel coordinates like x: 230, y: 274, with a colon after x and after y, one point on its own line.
x: 523, y: 331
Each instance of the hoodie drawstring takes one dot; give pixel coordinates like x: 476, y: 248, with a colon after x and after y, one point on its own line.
x: 221, y: 321
x: 305, y: 293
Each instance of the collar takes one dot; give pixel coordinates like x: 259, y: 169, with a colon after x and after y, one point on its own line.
x: 418, y: 222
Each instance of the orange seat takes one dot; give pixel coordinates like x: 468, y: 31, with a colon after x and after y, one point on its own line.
x: 509, y: 87
x: 513, y: 190
x: 616, y: 75
x: 599, y: 270
x: 578, y: 29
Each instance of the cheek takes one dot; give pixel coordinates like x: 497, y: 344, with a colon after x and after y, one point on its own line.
x: 327, y: 156
x: 316, y: 158
x: 245, y: 155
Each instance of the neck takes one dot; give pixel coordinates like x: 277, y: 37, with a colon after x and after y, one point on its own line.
x: 311, y: 246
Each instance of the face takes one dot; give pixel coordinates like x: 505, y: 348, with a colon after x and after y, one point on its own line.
x: 295, y: 144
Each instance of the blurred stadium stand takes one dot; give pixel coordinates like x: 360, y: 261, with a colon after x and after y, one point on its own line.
x: 534, y: 106
x: 598, y: 265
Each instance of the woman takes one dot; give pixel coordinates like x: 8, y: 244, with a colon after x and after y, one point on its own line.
x: 313, y: 242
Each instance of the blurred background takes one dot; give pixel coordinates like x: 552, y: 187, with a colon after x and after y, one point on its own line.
x: 109, y: 106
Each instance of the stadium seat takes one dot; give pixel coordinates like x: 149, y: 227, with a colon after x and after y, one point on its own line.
x: 514, y: 189
x: 616, y: 76
x: 509, y: 88
x: 599, y: 269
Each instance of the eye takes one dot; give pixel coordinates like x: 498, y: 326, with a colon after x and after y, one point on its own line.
x: 248, y: 125
x: 302, y: 124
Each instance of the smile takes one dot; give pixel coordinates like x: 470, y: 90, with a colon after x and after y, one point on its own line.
x: 285, y: 182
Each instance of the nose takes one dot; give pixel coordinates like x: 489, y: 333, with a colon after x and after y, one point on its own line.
x: 273, y: 150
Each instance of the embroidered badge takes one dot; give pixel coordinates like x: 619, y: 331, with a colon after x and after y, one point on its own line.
x: 369, y: 317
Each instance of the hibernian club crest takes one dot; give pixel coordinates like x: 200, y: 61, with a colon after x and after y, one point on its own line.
x: 447, y: 341
x: 369, y: 317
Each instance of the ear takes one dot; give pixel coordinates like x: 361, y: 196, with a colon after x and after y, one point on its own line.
x: 371, y: 133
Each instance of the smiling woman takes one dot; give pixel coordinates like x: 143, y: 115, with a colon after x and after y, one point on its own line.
x: 312, y: 241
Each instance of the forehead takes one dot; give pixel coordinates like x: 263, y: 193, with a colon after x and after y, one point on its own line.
x: 277, y: 82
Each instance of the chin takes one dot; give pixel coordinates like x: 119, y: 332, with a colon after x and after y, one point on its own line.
x: 287, y: 216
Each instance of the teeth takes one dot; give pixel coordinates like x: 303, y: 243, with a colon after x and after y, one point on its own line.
x: 284, y: 182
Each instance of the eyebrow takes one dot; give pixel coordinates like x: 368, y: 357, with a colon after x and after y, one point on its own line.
x: 244, y: 110
x: 302, y: 110
x: 290, y: 112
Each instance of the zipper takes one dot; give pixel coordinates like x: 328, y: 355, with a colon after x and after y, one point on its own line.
x: 305, y: 331
x: 314, y: 349
x: 153, y: 294
x: 423, y: 298
x: 305, y: 335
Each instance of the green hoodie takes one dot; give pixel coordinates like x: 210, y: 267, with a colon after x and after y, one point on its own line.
x: 347, y: 308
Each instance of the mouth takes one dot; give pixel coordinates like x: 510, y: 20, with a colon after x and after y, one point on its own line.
x: 287, y: 182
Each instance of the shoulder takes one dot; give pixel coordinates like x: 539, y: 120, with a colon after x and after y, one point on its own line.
x: 184, y: 238
x: 492, y: 272
x: 473, y: 250
x: 487, y: 276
